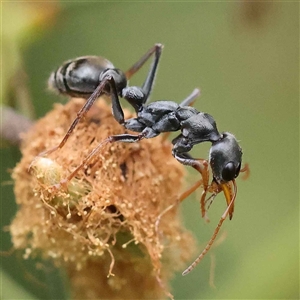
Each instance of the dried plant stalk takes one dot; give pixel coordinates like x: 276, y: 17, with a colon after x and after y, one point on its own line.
x: 104, y: 223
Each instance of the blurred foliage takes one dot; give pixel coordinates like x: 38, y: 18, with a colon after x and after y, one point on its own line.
x: 22, y: 23
x: 245, y: 58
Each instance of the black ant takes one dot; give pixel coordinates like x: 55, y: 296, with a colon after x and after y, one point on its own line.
x: 152, y: 119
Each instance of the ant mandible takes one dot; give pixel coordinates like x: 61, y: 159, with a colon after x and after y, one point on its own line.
x: 152, y: 119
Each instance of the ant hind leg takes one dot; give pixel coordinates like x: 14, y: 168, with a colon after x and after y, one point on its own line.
x: 190, y: 99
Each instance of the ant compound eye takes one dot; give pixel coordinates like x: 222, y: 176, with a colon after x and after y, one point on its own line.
x: 229, y: 172
x: 237, y: 172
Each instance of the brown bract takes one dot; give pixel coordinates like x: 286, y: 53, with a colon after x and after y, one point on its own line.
x: 103, y: 222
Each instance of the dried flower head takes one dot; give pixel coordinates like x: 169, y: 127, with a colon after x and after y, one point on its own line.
x: 103, y: 223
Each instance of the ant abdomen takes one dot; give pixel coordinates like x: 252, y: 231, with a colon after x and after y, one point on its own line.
x: 79, y: 77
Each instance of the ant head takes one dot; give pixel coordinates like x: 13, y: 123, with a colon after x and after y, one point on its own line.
x: 225, y: 158
x: 118, y: 76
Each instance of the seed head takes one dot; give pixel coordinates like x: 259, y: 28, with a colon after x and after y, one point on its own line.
x: 103, y: 222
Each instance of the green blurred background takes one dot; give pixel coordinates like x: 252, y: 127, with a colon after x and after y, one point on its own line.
x: 245, y: 58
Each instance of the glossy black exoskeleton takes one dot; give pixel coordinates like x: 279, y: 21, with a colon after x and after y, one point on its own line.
x: 79, y: 77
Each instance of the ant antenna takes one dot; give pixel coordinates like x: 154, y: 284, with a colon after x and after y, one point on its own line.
x: 211, y: 241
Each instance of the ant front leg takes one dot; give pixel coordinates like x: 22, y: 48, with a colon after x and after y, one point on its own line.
x: 201, y: 165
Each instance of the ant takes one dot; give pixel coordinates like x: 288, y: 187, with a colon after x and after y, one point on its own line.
x: 92, y: 76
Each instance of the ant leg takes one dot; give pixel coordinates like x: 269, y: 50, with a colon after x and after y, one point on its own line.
x: 212, y: 239
x: 182, y: 197
x: 201, y: 165
x: 127, y: 138
x: 66, y: 180
x: 147, y: 86
x: 190, y: 100
x: 86, y: 107
x: 205, y: 177
x: 156, y: 48
x: 117, y: 110
x: 82, y: 112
